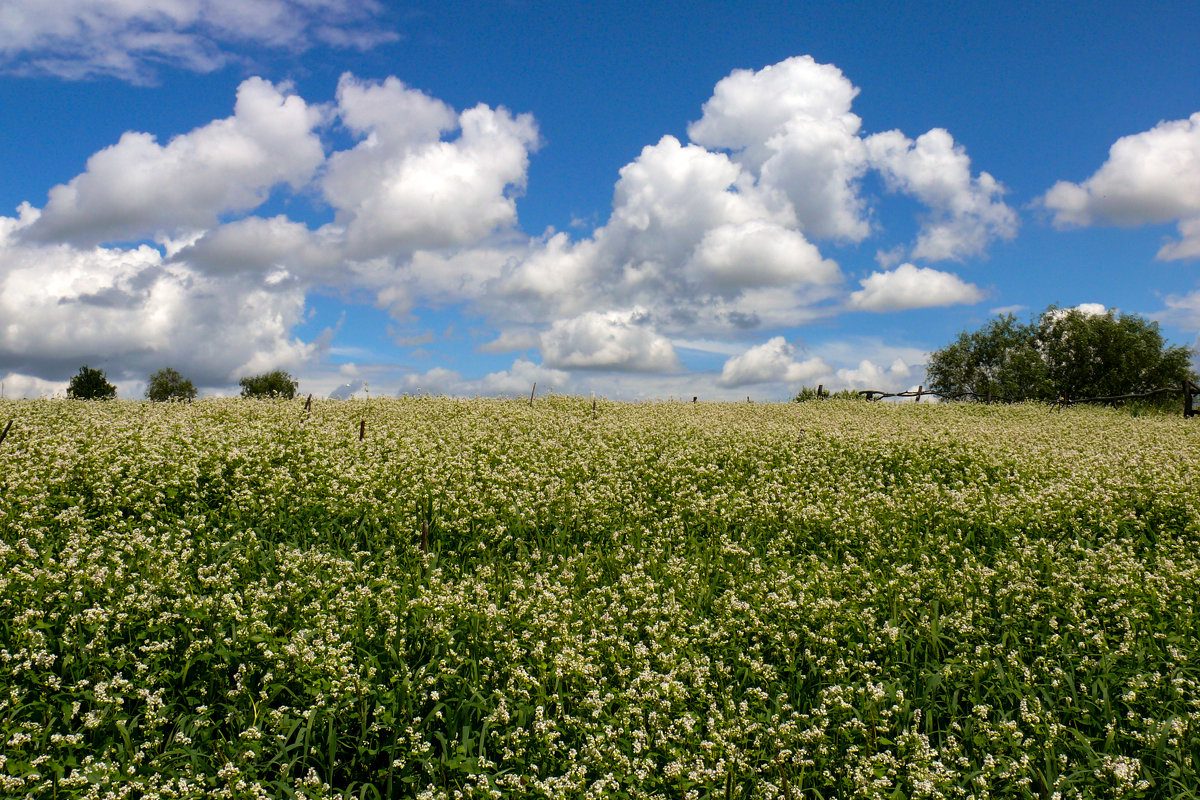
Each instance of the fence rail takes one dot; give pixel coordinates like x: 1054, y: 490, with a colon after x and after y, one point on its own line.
x: 1187, y: 390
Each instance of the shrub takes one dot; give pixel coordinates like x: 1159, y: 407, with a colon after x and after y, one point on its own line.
x: 807, y: 393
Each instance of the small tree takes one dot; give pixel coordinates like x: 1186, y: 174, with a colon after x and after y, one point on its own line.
x: 269, y: 384
x: 167, y: 384
x: 90, y: 384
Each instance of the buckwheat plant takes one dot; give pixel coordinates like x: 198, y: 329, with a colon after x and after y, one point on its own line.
x: 484, y: 599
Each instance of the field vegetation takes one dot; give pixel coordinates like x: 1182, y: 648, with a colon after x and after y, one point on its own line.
x: 228, y: 598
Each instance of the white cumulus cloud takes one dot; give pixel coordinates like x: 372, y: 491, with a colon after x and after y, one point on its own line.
x: 716, y: 237
x: 138, y: 188
x: 404, y: 187
x: 1149, y: 178
x: 871, y: 375
x: 130, y: 311
x: 908, y: 286
x: 519, y: 379
x: 691, y: 240
x: 620, y: 340
x: 790, y: 124
x: 965, y: 212
x: 756, y: 254
x: 770, y: 362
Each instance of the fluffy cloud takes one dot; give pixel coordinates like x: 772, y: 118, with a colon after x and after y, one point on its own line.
x: 138, y: 188
x: 130, y: 311
x: 615, y: 340
x: 517, y: 379
x: 520, y: 378
x: 908, y: 286
x: 870, y: 375
x: 691, y: 240
x: 771, y: 362
x: 1150, y: 177
x: 219, y: 300
x: 790, y: 124
x: 1188, y: 245
x: 709, y: 239
x: 965, y: 212
x: 714, y: 237
x: 261, y: 245
x: 403, y: 187
x: 756, y: 254
x: 667, y: 199
x: 128, y: 39
x: 14, y: 385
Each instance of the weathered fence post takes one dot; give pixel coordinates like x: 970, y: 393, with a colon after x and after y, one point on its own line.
x: 5, y: 433
x: 531, y: 391
x: 919, y: 388
x: 1188, y: 411
x: 362, y: 430
x: 820, y: 390
x: 308, y: 404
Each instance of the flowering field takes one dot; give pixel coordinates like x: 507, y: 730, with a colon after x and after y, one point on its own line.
x: 824, y: 599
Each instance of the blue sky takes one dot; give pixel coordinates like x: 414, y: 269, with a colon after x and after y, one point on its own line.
x: 648, y: 199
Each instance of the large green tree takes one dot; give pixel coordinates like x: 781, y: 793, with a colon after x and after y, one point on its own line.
x: 168, y: 384
x: 1068, y: 353
x: 90, y: 384
x: 999, y: 360
x: 269, y: 384
x: 1100, y: 355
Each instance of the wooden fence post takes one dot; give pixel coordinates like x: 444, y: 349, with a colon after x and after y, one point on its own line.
x: 6, y: 427
x: 531, y: 391
x: 1188, y: 411
x: 308, y: 404
x: 820, y: 390
x: 919, y: 388
x: 362, y: 430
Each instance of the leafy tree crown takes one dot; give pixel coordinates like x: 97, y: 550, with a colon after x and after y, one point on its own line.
x: 90, y: 384
x: 270, y: 384
x: 1060, y: 353
x: 168, y: 384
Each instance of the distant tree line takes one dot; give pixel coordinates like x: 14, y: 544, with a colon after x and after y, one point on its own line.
x: 1059, y: 354
x: 168, y: 384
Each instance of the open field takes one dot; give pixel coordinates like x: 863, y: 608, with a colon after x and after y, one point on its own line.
x: 824, y: 599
